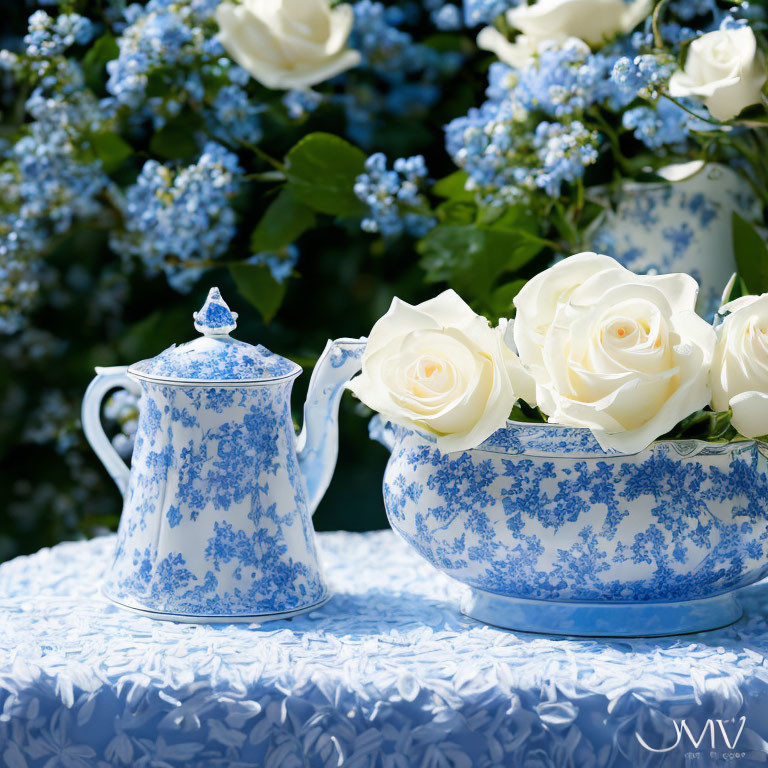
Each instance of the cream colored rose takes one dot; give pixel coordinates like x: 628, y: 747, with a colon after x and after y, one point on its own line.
x: 288, y: 43
x: 537, y: 302
x: 621, y: 354
x: 440, y: 368
x: 724, y: 69
x: 593, y: 21
x: 740, y: 366
x: 518, y: 53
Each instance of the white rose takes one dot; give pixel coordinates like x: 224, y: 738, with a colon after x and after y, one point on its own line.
x: 593, y: 21
x: 723, y: 68
x: 621, y: 354
x: 540, y: 297
x: 518, y: 54
x: 288, y: 43
x: 740, y: 366
x: 440, y: 368
x: 515, y: 54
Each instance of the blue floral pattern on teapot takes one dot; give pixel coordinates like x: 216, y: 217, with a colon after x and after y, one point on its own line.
x: 216, y: 523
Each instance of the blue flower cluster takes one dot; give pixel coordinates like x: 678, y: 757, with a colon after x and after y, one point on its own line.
x: 47, y: 37
x: 444, y: 15
x: 566, y: 79
x: 508, y: 152
x: 564, y: 150
x: 234, y: 117
x: 409, y: 72
x: 172, y: 44
x: 542, y: 124
x: 642, y: 76
x: 50, y: 177
x: 664, y: 125
x: 280, y: 263
x: 493, y: 144
x: 485, y: 11
x: 165, y: 35
x: 301, y: 102
x: 394, y: 199
x: 176, y: 221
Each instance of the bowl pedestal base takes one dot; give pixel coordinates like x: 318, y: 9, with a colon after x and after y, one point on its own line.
x: 594, y: 619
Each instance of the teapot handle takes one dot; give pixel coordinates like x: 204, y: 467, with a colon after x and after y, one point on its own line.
x: 106, y: 380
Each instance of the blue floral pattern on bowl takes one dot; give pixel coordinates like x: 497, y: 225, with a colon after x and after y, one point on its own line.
x: 541, y: 513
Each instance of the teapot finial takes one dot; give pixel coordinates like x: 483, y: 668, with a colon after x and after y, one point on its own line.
x: 215, y: 317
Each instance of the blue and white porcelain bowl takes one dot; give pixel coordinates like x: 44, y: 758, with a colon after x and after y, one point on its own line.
x: 553, y: 534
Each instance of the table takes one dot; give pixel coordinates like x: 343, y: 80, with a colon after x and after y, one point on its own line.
x: 388, y: 674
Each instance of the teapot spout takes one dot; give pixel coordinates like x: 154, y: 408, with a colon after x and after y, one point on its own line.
x: 318, y: 443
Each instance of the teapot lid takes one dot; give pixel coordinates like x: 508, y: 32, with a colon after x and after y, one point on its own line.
x: 215, y: 357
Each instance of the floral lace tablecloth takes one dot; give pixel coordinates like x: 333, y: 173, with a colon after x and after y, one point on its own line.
x: 388, y: 673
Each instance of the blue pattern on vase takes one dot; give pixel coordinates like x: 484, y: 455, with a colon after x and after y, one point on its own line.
x: 541, y: 512
x: 683, y: 226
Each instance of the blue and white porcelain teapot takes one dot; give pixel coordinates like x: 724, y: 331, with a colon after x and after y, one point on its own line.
x: 216, y: 522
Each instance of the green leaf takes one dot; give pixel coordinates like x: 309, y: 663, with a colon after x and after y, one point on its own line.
x: 751, y: 255
x: 154, y: 333
x: 104, y: 49
x: 457, y: 212
x: 470, y: 259
x: 712, y: 426
x: 284, y: 221
x: 111, y: 150
x: 502, y: 297
x: 321, y: 171
x: 256, y: 284
x: 174, y: 141
x: 452, y: 186
x: 737, y: 289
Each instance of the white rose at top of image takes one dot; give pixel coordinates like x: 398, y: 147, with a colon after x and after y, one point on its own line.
x: 593, y: 21
x: 724, y: 69
x: 622, y: 354
x: 288, y: 44
x: 740, y: 365
x: 440, y: 368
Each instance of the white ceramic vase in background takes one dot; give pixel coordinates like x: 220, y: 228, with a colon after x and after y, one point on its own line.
x: 680, y: 226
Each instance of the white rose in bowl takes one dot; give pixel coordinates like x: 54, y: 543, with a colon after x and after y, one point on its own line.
x: 740, y: 366
x: 540, y: 297
x: 724, y: 69
x: 439, y: 368
x: 288, y: 44
x: 622, y: 354
x: 593, y: 21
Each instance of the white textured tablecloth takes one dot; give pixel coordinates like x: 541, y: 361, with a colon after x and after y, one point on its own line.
x: 388, y: 673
